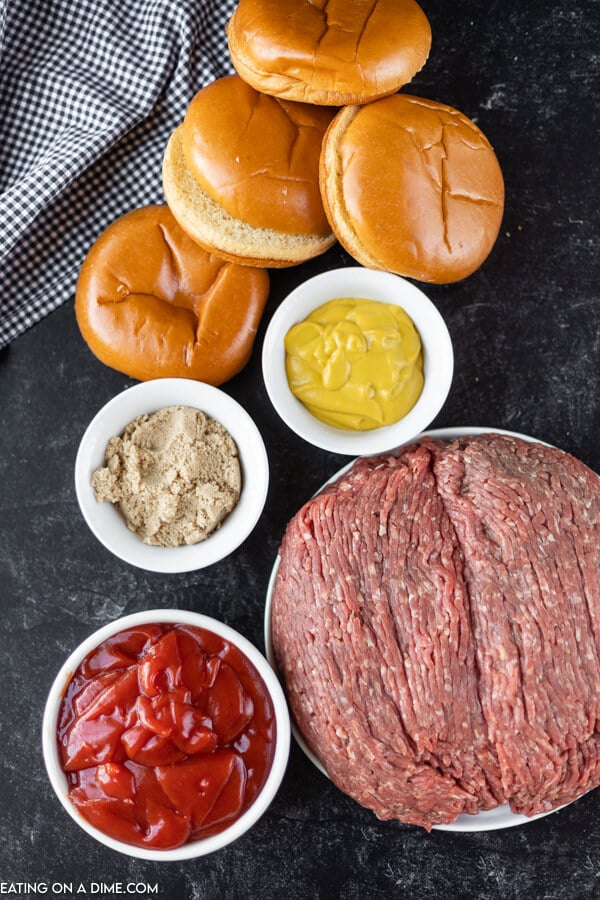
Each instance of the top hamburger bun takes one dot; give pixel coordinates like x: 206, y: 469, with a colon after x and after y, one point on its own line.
x: 412, y: 186
x: 241, y: 175
x: 332, y: 53
x: 153, y: 304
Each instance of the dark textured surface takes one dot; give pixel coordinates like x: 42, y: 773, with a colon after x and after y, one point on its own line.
x: 527, y: 345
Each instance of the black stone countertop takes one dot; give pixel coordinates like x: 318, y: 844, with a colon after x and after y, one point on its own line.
x: 527, y: 344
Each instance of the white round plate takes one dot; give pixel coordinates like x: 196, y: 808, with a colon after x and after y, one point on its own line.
x: 489, y: 820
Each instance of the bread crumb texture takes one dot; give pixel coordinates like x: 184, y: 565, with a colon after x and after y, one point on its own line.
x: 173, y: 474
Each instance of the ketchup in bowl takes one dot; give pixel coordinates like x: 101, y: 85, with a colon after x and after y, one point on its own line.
x: 166, y: 734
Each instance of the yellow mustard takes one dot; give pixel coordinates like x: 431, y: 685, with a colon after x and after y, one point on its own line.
x: 355, y: 364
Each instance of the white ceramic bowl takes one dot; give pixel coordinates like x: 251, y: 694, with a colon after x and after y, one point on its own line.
x: 108, y: 524
x: 354, y: 281
x: 282, y: 746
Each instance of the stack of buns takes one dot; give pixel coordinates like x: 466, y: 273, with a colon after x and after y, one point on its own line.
x: 308, y: 143
x: 241, y: 175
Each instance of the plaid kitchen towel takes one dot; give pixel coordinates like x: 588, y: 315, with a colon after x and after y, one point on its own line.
x: 90, y: 91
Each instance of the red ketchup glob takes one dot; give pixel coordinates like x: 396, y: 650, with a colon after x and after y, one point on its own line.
x: 166, y: 733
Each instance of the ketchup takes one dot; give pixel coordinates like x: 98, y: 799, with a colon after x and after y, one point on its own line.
x: 166, y: 733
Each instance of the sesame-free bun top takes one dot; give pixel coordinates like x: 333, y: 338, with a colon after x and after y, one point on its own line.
x: 241, y: 175
x: 330, y: 52
x: 153, y: 304
x: 412, y: 186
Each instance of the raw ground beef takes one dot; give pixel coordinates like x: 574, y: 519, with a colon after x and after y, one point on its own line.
x: 436, y: 618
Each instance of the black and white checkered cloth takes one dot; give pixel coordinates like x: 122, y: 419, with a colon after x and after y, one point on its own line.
x: 90, y: 91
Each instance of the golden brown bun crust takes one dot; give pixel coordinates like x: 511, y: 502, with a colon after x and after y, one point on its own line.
x: 329, y: 52
x: 152, y: 304
x: 213, y: 228
x: 412, y: 186
x: 256, y: 156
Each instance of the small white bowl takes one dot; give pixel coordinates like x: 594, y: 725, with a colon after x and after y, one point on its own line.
x: 282, y: 741
x: 108, y: 524
x: 354, y: 281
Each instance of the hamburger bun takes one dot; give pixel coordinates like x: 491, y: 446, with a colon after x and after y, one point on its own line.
x: 241, y: 175
x: 334, y: 53
x: 412, y: 186
x: 153, y: 304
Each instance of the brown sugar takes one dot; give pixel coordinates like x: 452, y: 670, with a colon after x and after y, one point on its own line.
x: 173, y: 474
